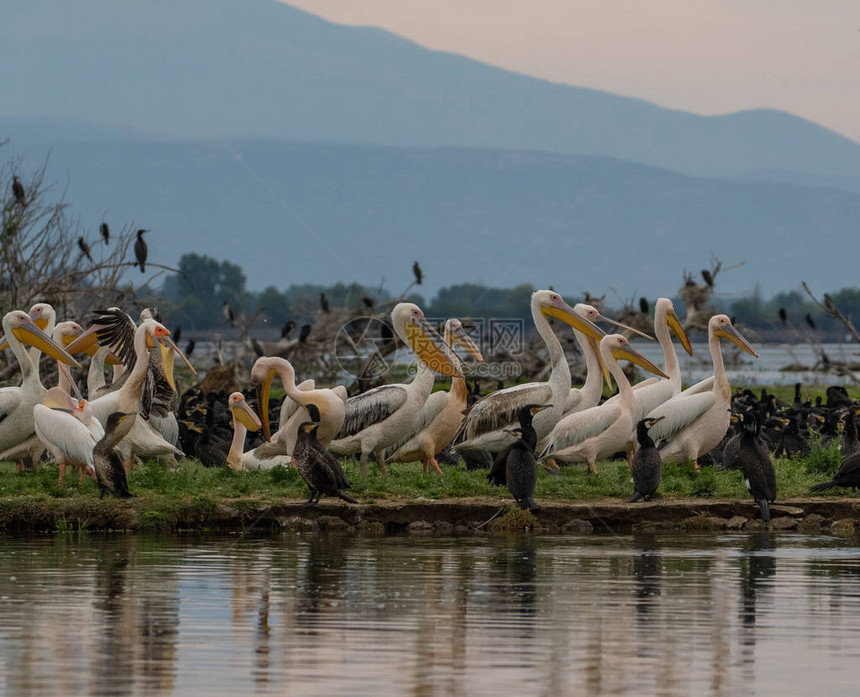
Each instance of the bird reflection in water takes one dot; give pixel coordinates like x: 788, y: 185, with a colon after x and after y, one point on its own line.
x: 758, y: 567
x: 647, y: 572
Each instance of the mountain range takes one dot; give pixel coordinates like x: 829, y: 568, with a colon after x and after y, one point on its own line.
x: 390, y: 152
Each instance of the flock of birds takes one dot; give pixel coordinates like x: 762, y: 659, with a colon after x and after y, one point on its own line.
x: 513, y: 431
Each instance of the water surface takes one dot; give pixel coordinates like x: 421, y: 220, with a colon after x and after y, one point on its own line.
x: 337, y: 615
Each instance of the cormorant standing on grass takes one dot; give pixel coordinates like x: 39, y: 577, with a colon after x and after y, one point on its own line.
x: 110, y: 473
x: 316, y: 465
x: 759, y: 475
x: 521, y: 470
x: 527, y: 433
x: 141, y: 251
x: 847, y: 476
x: 647, y: 465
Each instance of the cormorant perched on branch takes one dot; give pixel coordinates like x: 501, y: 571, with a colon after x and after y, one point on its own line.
x: 419, y: 275
x: 324, y: 306
x: 644, y: 307
x: 227, y: 311
x: 176, y: 334
x: 189, y: 347
x: 18, y: 192
x: 646, y: 465
x: 85, y: 249
x: 367, y: 302
x: 304, y: 333
x: 709, y: 278
x: 141, y: 251
x: 105, y: 231
x: 783, y: 315
x: 810, y: 321
x: 288, y: 328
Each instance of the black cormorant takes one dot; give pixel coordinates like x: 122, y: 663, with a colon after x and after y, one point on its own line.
x: 647, y: 465
x: 189, y: 347
x: 304, y: 333
x: 709, y: 278
x: 783, y: 315
x: 141, y: 251
x: 419, y: 274
x: 105, y: 231
x: 18, y: 192
x: 324, y: 306
x: 110, y: 473
x: 85, y: 249
x: 644, y: 308
x: 810, y: 321
x: 316, y: 465
x: 521, y: 470
x: 847, y: 476
x: 176, y: 334
x: 227, y: 311
x: 759, y: 475
x: 527, y: 433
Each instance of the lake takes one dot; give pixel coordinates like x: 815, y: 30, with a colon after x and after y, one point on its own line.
x: 665, y: 614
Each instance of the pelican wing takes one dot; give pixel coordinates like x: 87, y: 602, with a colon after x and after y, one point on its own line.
x: 705, y: 385
x: 678, y: 413
x: 501, y: 409
x: 289, y: 406
x: 364, y: 410
x: 575, y: 428
x: 10, y: 398
x: 117, y: 334
x: 62, y: 431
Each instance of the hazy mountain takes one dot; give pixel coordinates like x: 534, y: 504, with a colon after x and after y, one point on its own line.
x: 466, y: 214
x: 258, y: 68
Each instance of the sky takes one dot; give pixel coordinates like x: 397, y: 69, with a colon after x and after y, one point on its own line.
x: 704, y: 56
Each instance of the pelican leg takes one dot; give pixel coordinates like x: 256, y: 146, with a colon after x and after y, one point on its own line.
x: 592, y: 467
x: 425, y: 463
x: 81, y: 478
x: 380, y: 460
x: 435, y: 466
x: 630, y: 457
x: 362, y: 464
x: 62, y: 467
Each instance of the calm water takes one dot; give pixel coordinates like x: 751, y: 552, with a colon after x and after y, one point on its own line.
x: 335, y: 615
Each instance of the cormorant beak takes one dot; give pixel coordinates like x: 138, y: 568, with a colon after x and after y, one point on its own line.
x: 535, y: 410
x: 263, y: 391
x: 678, y: 330
x: 561, y: 310
x: 30, y: 334
x: 727, y: 331
x: 515, y: 432
x: 651, y: 422
x: 628, y: 353
x: 246, y: 416
x: 430, y: 347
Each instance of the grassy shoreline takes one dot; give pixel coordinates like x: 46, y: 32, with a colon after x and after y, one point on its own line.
x: 195, y: 497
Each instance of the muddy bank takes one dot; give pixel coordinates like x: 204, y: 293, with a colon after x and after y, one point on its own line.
x: 447, y: 516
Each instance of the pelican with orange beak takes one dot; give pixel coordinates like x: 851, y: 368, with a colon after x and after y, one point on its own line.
x: 693, y: 423
x: 488, y: 424
x: 603, y: 430
x: 16, y: 403
x: 442, y: 413
x: 382, y: 417
x: 266, y: 456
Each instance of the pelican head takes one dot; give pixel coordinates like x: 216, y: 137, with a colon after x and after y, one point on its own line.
x: 665, y: 308
x: 158, y: 336
x: 455, y: 334
x: 552, y: 304
x: 620, y: 349
x: 412, y: 328
x: 242, y: 413
x: 262, y: 374
x: 720, y: 326
x: 590, y: 312
x: 43, y: 316
x: 25, y: 330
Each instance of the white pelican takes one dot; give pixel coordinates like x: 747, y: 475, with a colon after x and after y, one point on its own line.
x: 442, y: 413
x: 694, y: 422
x: 67, y: 430
x: 330, y: 402
x: 143, y: 439
x: 16, y: 403
x: 601, y: 431
x: 266, y: 456
x: 488, y: 421
x: 381, y: 417
x: 649, y: 394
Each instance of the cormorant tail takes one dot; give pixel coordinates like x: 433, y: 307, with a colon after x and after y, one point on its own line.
x: 824, y: 486
x: 765, y: 510
x: 346, y: 498
x: 633, y: 499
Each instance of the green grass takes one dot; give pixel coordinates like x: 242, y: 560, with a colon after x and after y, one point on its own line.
x: 195, y: 491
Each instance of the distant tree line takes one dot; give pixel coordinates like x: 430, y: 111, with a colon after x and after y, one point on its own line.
x: 196, y: 295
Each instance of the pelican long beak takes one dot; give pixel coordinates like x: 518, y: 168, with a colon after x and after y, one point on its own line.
x: 87, y: 342
x: 168, y: 361
x: 263, y: 391
x: 246, y: 416
x: 65, y: 371
x: 561, y: 310
x: 727, y: 331
x: 31, y: 335
x: 607, y: 376
x: 40, y: 322
x: 56, y: 398
x: 430, y: 348
x: 171, y: 347
x: 603, y: 318
x: 459, y: 336
x: 675, y: 325
x: 628, y: 353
